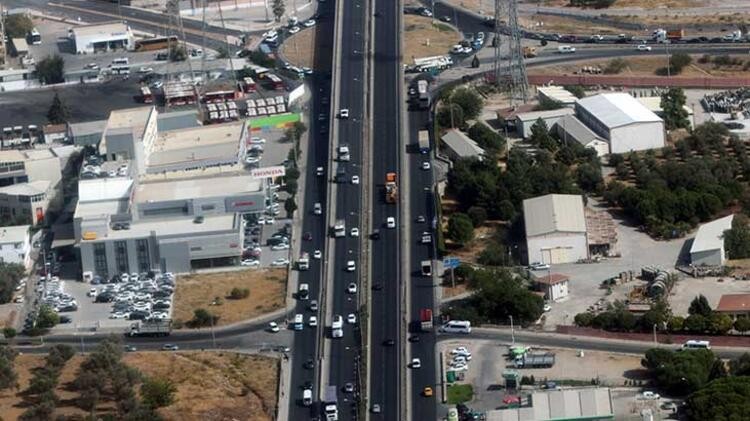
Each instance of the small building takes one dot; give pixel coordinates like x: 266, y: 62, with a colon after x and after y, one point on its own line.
x: 20, y: 47
x: 570, y: 404
x: 734, y: 305
x: 554, y: 286
x: 524, y: 121
x: 55, y: 133
x: 653, y: 103
x: 708, y: 244
x: 88, y: 133
x: 15, y: 245
x: 555, y: 229
x: 569, y: 128
x: 26, y: 201
x: 460, y: 146
x: 621, y: 120
x: 17, y: 79
x: 89, y: 39
x: 556, y: 94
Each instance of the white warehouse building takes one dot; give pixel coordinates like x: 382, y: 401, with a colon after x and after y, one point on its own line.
x: 708, y: 245
x: 555, y: 229
x: 89, y: 39
x: 623, y: 121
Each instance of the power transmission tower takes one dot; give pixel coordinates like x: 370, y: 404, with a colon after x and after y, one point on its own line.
x: 497, y: 44
x: 519, y: 82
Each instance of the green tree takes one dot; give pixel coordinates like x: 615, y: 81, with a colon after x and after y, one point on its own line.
x: 589, y: 177
x: 742, y: 324
x: 700, y: 306
x: 9, y: 332
x: 290, y: 205
x: 157, y: 392
x: 18, y: 25
x: 583, y: 319
x: 485, y: 137
x: 460, y: 228
x: 577, y: 90
x: 546, y: 104
x: 477, y: 214
x: 177, y: 52
x: 680, y: 373
x: 58, y: 112
x: 720, y: 323
x: 8, y: 376
x: 47, y: 317
x: 203, y: 318
x: 540, y: 136
x: 615, y: 66
x: 696, y: 323
x: 740, y: 366
x: 737, y: 239
x: 239, y: 293
x: 51, y: 70
x: 676, y: 323
x: 278, y: 8
x: 723, y: 399
x: 222, y: 52
x: 291, y: 187
x: 673, y: 106
x: 493, y: 255
x: 469, y: 101
x: 450, y: 116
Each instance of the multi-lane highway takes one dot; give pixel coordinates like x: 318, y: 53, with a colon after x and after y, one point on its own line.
x: 386, y: 387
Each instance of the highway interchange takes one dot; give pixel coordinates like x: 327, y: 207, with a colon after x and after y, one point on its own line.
x: 365, y: 78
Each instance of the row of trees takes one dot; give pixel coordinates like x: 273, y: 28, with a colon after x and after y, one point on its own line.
x: 10, y: 275
x: 40, y: 393
x: 497, y: 295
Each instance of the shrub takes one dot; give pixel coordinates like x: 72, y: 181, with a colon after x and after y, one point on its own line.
x: 239, y: 293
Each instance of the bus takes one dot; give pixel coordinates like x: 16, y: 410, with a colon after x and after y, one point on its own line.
x: 152, y: 44
x: 456, y: 326
x: 120, y: 61
x: 691, y: 344
x: 35, y: 37
x: 299, y: 322
x: 120, y: 69
x: 146, y: 96
x: 275, y: 81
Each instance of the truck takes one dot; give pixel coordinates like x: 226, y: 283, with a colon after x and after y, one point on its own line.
x: 423, y: 94
x: 529, y: 52
x: 343, y: 151
x: 391, y: 188
x: 426, y: 267
x: 663, y: 36
x: 151, y: 328
x: 432, y: 64
x: 424, y: 141
x: 339, y: 228
x: 734, y: 36
x: 330, y: 401
x: 304, y: 261
x: 425, y: 319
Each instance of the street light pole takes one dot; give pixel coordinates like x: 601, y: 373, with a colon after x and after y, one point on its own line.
x: 512, y: 332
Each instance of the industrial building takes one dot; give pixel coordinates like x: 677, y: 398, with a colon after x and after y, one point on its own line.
x: 554, y: 286
x: 524, y: 121
x: 708, y: 244
x: 89, y: 39
x: 15, y: 245
x: 622, y: 121
x: 459, y: 146
x: 569, y: 128
x: 161, y: 209
x: 570, y: 404
x: 556, y: 94
x: 555, y: 229
x: 29, y: 181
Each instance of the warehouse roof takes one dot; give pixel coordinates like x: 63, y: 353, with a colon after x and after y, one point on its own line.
x: 557, y: 93
x: 554, y: 213
x: 26, y: 189
x: 560, y: 404
x: 617, y: 109
x: 734, y: 303
x: 110, y: 29
x: 535, y: 115
x: 102, y: 189
x: 462, y: 145
x: 195, y: 188
x: 176, y: 120
x: 574, y: 129
x: 710, y: 236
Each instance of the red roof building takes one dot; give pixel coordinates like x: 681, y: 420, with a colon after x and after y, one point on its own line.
x: 735, y: 305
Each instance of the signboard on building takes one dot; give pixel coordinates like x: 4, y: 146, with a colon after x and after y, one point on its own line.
x: 245, y: 203
x: 269, y: 172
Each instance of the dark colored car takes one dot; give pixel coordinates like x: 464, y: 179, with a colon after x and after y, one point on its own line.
x: 389, y: 342
x: 307, y: 236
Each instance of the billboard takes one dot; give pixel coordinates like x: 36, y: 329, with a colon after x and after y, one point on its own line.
x: 245, y: 203
x: 269, y: 172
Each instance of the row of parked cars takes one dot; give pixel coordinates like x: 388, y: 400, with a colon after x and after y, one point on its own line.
x: 137, y: 297
x: 54, y: 296
x: 468, y: 45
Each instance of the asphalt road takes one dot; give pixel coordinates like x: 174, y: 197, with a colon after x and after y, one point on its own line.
x: 386, y: 386
x: 422, y: 293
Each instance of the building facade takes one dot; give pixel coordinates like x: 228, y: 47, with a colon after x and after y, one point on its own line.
x: 89, y: 39
x: 708, y: 245
x: 15, y: 245
x: 555, y: 229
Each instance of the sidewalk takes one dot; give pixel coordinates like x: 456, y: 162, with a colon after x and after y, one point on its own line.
x: 250, y: 16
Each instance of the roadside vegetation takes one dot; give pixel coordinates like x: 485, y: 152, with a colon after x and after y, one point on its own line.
x: 10, y: 275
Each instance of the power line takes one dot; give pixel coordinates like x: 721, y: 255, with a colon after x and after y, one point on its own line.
x: 519, y: 82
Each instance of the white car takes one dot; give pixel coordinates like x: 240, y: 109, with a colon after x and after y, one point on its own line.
x: 390, y: 222
x: 425, y: 165
x: 280, y: 262
x: 308, y: 23
x: 92, y: 292
x: 273, y: 327
x: 355, y: 179
x: 145, y: 70
x: 281, y: 246
x: 255, y: 140
x: 270, y: 221
x: 294, y: 29
x: 157, y: 85
x: 643, y: 47
x: 344, y: 113
x: 338, y: 322
x: 320, y: 171
x: 313, y: 321
x: 270, y: 34
x: 651, y: 395
x: 317, y: 209
x: 416, y: 363
x: 19, y: 299
x: 250, y: 262
x: 547, y: 308
x: 354, y: 232
x: 539, y: 266
x: 337, y: 333
x: 351, y: 318
x: 119, y: 315
x: 351, y: 266
x: 352, y: 288
x: 317, y: 254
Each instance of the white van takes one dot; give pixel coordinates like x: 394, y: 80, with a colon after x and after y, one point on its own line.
x: 566, y: 49
x: 299, y: 322
x: 456, y: 326
x: 307, y: 397
x: 120, y: 61
x: 304, y: 292
x: 691, y: 344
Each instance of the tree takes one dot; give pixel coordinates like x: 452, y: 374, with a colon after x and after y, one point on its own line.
x: 157, y: 392
x: 18, y: 25
x: 177, y: 52
x: 493, y: 255
x: 469, y: 101
x: 742, y: 325
x: 577, y: 90
x: 239, y: 293
x: 673, y: 106
x: 737, y: 239
x: 202, y: 318
x: 584, y: 319
x: 589, y: 177
x: 291, y: 187
x: 546, y: 104
x: 279, y: 8
x: 723, y: 399
x: 719, y: 323
x: 290, y: 205
x: 696, y: 323
x: 740, y: 366
x: 460, y: 228
x: 10, y: 274
x: 477, y: 214
x: 58, y: 112
x: 700, y: 306
x: 540, y: 136
x: 485, y: 137
x: 8, y: 376
x: 679, y: 61
x: 50, y: 70
x: 222, y: 52
x: 676, y: 323
x: 681, y: 373
x: 450, y: 115
x: 9, y: 332
x: 615, y: 66
x: 47, y: 317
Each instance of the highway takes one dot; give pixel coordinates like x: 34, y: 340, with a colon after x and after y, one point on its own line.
x: 386, y: 388
x: 344, y: 353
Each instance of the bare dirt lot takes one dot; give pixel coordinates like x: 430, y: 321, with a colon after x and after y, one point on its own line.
x: 267, y: 293
x: 425, y: 39
x: 210, y: 386
x: 299, y: 49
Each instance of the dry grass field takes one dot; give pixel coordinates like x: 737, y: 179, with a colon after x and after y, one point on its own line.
x: 425, y: 39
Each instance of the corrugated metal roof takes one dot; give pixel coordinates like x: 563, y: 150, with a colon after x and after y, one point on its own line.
x: 710, y: 236
x: 554, y: 213
x: 560, y: 404
x: 617, y: 109
x: 557, y: 93
x: 575, y: 130
x: 461, y: 144
x: 534, y: 115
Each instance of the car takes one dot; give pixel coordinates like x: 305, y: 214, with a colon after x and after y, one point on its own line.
x: 355, y: 179
x: 92, y: 292
x: 294, y: 29
x: 425, y: 165
x: 317, y: 208
x: 390, y: 222
x: 157, y: 84
x: 255, y: 140
x: 375, y: 234
x: 375, y: 409
x: 309, y: 364
x: 280, y: 262
x: 273, y: 327
x: 669, y: 406
x: 170, y: 347
x: 414, y: 338
x: 130, y: 348
x: 19, y: 299
x: 349, y: 387
x: 421, y: 219
x: 312, y: 321
x: 643, y: 47
x: 119, y: 315
x: 649, y: 395
x: 427, y: 391
x: 539, y: 266
x: 351, y: 318
x: 313, y: 305
x: 389, y: 342
x: 547, y: 308
x: 351, y: 266
x: 337, y: 322
x: 308, y: 23
x: 282, y: 246
x: 446, y: 19
x: 377, y: 286
x: 320, y: 171
x: 145, y: 70
x: 344, y: 113
x: 352, y: 288
x: 461, y: 350
x: 415, y: 363
x: 307, y: 236
x: 250, y: 262
x: 317, y: 254
x: 354, y: 232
